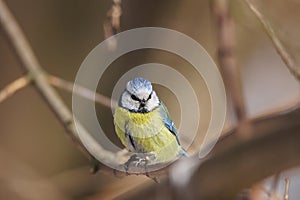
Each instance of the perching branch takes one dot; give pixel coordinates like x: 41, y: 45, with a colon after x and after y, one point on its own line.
x: 236, y: 164
x: 285, y: 56
x: 13, y: 87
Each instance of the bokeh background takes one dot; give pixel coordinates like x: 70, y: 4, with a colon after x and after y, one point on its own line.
x: 38, y: 160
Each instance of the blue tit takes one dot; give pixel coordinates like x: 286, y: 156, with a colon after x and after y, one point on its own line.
x: 143, y: 124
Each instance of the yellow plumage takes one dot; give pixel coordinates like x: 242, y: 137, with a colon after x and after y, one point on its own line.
x: 148, y: 132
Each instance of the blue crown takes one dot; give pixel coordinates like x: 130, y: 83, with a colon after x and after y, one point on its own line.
x: 135, y: 85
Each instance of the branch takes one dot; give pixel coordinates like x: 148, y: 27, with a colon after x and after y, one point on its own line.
x: 82, y: 91
x: 252, y: 160
x: 31, y: 65
x: 236, y: 164
x: 13, y: 87
x: 227, y: 61
x: 40, y: 79
x: 285, y: 56
x: 23, y: 81
x: 112, y: 25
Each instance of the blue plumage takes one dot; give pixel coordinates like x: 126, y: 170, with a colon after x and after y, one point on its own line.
x: 136, y: 85
x: 169, y: 124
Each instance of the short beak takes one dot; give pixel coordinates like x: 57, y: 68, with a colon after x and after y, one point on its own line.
x: 142, y: 104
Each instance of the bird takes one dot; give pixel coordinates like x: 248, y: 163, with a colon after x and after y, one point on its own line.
x: 143, y: 124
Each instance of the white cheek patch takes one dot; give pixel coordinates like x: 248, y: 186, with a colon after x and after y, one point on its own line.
x: 128, y: 103
x: 153, y: 102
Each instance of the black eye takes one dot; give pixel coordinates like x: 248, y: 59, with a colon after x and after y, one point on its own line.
x: 134, y: 98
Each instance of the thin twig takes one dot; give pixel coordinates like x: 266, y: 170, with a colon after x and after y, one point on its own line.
x: 114, y: 14
x: 285, y: 56
x: 111, y: 26
x: 287, y: 188
x: 227, y: 61
x: 82, y: 91
x: 13, y: 87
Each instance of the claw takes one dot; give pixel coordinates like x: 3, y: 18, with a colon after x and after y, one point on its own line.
x: 126, y: 165
x: 140, y: 160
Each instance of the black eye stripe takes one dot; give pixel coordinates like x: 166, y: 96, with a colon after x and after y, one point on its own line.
x: 135, y: 98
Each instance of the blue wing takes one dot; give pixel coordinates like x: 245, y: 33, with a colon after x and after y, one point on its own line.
x: 168, y: 122
x: 170, y: 125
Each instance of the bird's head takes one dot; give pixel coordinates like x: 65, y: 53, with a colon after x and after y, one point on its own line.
x: 139, y: 96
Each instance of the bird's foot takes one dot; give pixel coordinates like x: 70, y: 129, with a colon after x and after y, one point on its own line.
x: 139, y: 160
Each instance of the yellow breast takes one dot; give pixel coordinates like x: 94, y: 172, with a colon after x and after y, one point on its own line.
x: 148, y: 131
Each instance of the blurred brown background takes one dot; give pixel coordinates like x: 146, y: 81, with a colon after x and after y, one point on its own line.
x: 35, y: 153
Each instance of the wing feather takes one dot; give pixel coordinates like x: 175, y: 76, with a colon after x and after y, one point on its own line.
x: 171, y: 126
x: 168, y: 122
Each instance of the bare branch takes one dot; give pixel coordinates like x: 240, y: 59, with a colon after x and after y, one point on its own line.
x: 285, y: 56
x: 114, y: 14
x: 112, y: 25
x: 13, y: 87
x: 40, y: 79
x: 23, y: 81
x: 227, y: 60
x: 242, y: 162
x: 82, y: 91
x: 32, y: 66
